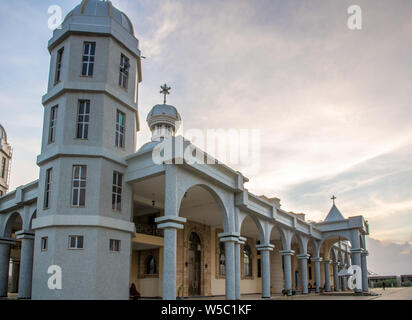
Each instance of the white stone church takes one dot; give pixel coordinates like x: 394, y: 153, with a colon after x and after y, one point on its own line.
x: 109, y: 216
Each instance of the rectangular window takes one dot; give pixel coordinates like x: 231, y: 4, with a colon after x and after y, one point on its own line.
x: 44, y: 243
x: 117, y: 191
x: 79, y: 186
x: 59, y: 63
x: 83, y: 115
x: 47, y: 188
x: 114, y: 245
x: 259, y: 268
x: 89, y: 51
x: 3, y: 167
x: 52, y: 124
x: 120, y: 129
x: 124, y: 71
x: 76, y: 242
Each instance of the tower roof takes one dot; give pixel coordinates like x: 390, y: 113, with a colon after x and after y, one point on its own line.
x: 334, y: 214
x: 3, y: 134
x: 99, y: 8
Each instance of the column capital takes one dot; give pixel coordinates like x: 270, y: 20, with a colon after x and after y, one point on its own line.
x: 317, y: 259
x: 326, y: 261
x: 25, y: 234
x: 170, y: 222
x: 335, y: 263
x: 229, y: 237
x: 287, y: 252
x: 356, y: 250
x: 265, y: 247
x: 241, y: 240
x: 303, y: 256
x: 365, y: 253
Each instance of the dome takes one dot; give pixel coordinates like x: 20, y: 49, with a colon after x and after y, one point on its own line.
x: 164, y: 110
x: 98, y: 8
x: 163, y: 120
x: 3, y: 134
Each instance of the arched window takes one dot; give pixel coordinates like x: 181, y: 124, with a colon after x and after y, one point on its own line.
x: 247, y: 261
x: 222, y: 259
x: 194, y: 242
x: 151, y: 265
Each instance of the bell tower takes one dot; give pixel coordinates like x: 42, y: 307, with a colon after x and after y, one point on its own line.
x: 5, y: 159
x: 83, y: 225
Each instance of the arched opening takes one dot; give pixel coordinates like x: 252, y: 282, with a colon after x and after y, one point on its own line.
x: 13, y: 225
x: 277, y: 261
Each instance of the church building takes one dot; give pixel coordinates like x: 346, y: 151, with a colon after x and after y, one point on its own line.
x: 104, y: 215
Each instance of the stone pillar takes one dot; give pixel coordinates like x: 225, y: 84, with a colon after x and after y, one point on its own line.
x: 327, y: 275
x: 335, y: 276
x: 229, y: 240
x: 344, y: 281
x: 356, y: 261
x: 170, y: 225
x: 4, y: 265
x: 26, y: 263
x: 287, y: 269
x: 14, y: 276
x: 317, y: 262
x: 240, y: 241
x: 265, y: 250
x: 304, y: 271
x: 365, y: 286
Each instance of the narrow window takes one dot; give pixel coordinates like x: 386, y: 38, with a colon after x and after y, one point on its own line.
x: 83, y: 115
x: 114, y: 245
x: 259, y: 268
x: 117, y: 191
x: 120, y: 129
x: 59, y: 64
x: 247, y: 261
x: 44, y: 243
x: 124, y: 71
x: 52, y: 124
x: 76, y: 242
x: 151, y: 265
x: 47, y: 188
x: 79, y: 186
x: 88, y: 58
x: 3, y: 167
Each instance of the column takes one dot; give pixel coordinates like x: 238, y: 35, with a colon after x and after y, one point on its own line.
x: 344, y: 281
x: 4, y: 265
x: 303, y: 258
x: 335, y: 276
x: 265, y: 254
x: 170, y: 225
x: 317, y: 262
x: 229, y: 240
x: 327, y: 275
x: 26, y: 263
x: 356, y: 261
x: 240, y: 241
x: 365, y: 288
x: 14, y: 276
x: 287, y: 265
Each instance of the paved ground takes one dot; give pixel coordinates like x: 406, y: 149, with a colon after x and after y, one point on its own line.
x: 388, y: 294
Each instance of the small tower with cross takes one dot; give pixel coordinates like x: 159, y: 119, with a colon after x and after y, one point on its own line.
x: 163, y: 119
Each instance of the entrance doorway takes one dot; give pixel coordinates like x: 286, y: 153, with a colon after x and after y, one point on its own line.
x: 194, y: 264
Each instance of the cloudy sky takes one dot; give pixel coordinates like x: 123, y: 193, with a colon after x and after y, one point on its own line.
x: 333, y: 105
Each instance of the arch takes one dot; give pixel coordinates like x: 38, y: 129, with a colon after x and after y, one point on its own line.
x: 8, y: 223
x: 315, y: 244
x: 284, y: 233
x: 216, y: 196
x: 258, y: 225
x: 32, y: 216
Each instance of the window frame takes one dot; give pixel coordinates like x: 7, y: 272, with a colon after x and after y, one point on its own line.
x: 81, y: 119
x: 47, y: 188
x: 119, y: 134
x: 247, y: 252
x: 3, y: 167
x: 59, y: 65
x: 52, y: 124
x: 76, y: 237
x: 44, y: 244
x: 79, y: 188
x: 90, y: 57
x: 115, y: 245
x: 124, y: 71
x: 117, y: 189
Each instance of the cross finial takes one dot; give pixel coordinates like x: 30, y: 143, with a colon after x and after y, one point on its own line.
x: 165, y: 91
x: 333, y: 199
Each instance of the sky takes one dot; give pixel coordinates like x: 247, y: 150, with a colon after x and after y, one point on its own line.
x: 332, y: 105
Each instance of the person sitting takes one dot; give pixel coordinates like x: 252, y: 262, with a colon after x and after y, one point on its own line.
x: 134, y: 294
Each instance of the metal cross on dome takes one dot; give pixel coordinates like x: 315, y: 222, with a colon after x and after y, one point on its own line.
x: 333, y: 199
x: 165, y: 91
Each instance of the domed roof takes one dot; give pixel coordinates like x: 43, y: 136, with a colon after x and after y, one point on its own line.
x: 160, y: 110
x: 3, y: 134
x: 99, y: 8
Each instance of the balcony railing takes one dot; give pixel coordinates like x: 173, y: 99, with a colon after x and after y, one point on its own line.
x: 150, y: 229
